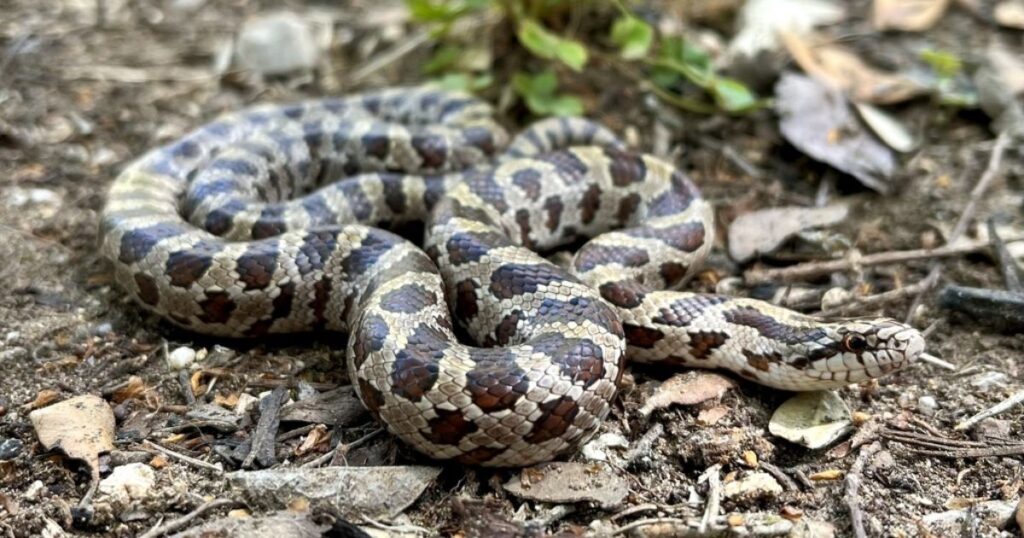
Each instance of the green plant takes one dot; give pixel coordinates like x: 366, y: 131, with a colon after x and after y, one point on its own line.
x: 667, y: 65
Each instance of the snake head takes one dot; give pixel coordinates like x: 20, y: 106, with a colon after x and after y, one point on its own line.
x: 865, y: 348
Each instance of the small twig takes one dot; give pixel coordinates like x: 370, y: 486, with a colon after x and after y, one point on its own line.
x: 1008, y: 266
x: 992, y: 411
x: 184, y: 520
x: 262, y: 448
x: 185, y: 383
x: 389, y: 56
x: 295, y: 433
x: 989, y: 452
x: 875, y: 300
x: 714, y: 497
x: 989, y: 175
x: 804, y: 271
x: 932, y: 359
x: 341, y: 448
x: 913, y: 438
x: 853, y: 480
x: 181, y: 457
x: 780, y: 475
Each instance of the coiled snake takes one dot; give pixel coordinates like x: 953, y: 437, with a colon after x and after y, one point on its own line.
x: 222, y: 232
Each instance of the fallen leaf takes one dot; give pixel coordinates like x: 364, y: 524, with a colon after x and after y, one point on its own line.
x: 82, y: 427
x: 750, y: 459
x: 840, y: 68
x: 907, y: 15
x: 887, y: 128
x: 812, y: 419
x: 1009, y: 13
x: 763, y: 231
x: 349, y: 492
x: 687, y: 389
x: 810, y: 111
x: 568, y: 482
x: 43, y: 398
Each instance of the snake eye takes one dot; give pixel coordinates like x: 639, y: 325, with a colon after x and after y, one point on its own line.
x: 854, y: 343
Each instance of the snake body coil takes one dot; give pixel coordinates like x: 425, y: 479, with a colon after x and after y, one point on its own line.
x: 261, y: 223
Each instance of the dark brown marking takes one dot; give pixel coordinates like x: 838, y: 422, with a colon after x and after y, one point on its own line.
x: 148, y: 291
x: 372, y: 398
x: 523, y: 222
x: 256, y: 266
x: 580, y: 360
x: 394, y: 197
x: 496, y: 383
x: 507, y: 327
x: 431, y: 148
x: 321, y: 296
x: 627, y: 208
x: 624, y: 294
x: 369, y: 337
x: 590, y: 203
x: 317, y: 247
x: 479, y: 455
x: 687, y: 237
x: 761, y: 361
x: 480, y: 137
x: 672, y: 273
x: 136, y: 244
x: 554, y: 207
x: 448, y: 427
x: 217, y: 307
x: 682, y: 312
x: 465, y: 299
x: 640, y: 336
x: 416, y: 366
x: 283, y: 302
x: 466, y: 247
x: 554, y: 421
x: 625, y: 168
x: 703, y: 343
x: 376, y: 144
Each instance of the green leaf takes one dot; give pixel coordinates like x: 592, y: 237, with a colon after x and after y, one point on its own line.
x: 539, y: 93
x: 443, y: 58
x: 945, y: 63
x: 633, y: 36
x: 732, y: 96
x: 547, y: 45
x: 464, y: 82
x: 442, y: 11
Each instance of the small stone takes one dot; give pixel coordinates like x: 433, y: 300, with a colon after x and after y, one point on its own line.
x: 10, y: 448
x: 752, y: 487
x: 12, y: 337
x: 277, y: 43
x: 103, y: 329
x: 34, y: 491
x: 128, y: 482
x: 926, y: 405
x: 835, y: 298
x: 180, y: 358
x: 989, y: 429
x: 595, y: 450
x: 989, y: 380
x: 245, y: 400
x: 812, y: 419
x: 14, y: 354
x: 882, y: 460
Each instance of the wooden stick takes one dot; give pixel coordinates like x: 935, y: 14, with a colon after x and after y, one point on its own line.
x: 992, y: 411
x: 184, y: 520
x: 807, y: 270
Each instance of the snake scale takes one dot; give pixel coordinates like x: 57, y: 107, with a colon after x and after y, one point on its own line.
x: 274, y: 220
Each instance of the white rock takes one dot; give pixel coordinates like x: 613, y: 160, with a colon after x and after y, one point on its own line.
x: 927, y: 405
x: 753, y: 486
x: 812, y: 419
x: 595, y: 450
x: 12, y: 337
x: 989, y: 380
x: 34, y: 490
x: 128, y: 482
x: 180, y: 358
x: 277, y: 43
x: 244, y: 401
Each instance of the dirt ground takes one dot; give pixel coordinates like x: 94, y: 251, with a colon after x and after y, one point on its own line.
x: 79, y: 99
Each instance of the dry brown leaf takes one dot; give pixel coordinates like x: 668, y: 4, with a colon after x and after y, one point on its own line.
x: 316, y: 436
x: 840, y: 68
x: 830, y: 474
x: 43, y: 397
x: 82, y: 427
x: 687, y: 389
x: 134, y: 388
x: 907, y: 15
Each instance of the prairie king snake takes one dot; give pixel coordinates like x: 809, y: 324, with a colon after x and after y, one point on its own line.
x: 266, y: 221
